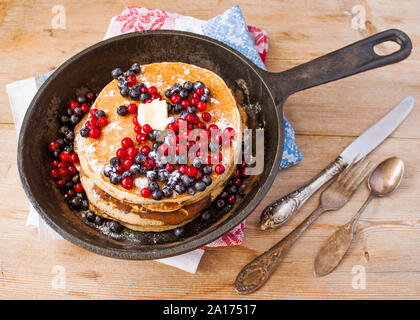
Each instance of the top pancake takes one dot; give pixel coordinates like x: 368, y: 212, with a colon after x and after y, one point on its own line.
x: 95, y: 154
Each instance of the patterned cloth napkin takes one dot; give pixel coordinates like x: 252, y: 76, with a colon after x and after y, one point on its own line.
x: 229, y: 27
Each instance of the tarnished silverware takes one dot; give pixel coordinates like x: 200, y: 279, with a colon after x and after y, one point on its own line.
x: 384, y: 180
x: 278, y: 212
x: 334, y: 197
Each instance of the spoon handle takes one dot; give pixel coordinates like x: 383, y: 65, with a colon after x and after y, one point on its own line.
x: 335, y: 248
x: 256, y: 273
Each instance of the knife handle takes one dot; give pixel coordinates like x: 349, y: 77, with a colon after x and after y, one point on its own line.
x: 279, y: 211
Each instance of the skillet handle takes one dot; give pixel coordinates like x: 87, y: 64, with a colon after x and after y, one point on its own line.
x: 355, y: 58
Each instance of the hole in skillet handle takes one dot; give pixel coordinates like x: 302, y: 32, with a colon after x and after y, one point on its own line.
x: 393, y: 44
x: 386, y: 48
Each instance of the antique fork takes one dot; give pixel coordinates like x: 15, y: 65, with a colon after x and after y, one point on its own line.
x: 335, y: 196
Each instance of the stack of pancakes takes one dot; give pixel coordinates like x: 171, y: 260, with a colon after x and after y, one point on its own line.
x: 128, y: 206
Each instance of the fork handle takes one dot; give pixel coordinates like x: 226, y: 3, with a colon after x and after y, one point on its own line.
x: 256, y: 273
x: 279, y: 211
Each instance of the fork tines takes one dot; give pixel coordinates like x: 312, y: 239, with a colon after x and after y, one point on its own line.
x: 354, y: 174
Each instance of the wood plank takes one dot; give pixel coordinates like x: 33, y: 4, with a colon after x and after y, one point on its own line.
x: 325, y: 119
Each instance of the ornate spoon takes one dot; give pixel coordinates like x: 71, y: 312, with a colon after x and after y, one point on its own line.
x: 384, y: 180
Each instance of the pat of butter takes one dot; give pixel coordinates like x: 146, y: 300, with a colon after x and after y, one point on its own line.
x: 154, y: 114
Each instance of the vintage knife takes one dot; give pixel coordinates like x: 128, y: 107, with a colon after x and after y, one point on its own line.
x: 278, y: 212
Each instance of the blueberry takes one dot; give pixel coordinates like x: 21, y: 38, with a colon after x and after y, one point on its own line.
x: 170, y: 107
x: 155, y: 145
x: 200, y: 186
x: 151, y: 175
x: 135, y: 68
x: 224, y: 194
x: 99, y: 220
x: 124, y: 92
x: 198, y: 84
x: 129, y: 73
x: 75, y: 178
x: 114, y: 226
x: 176, y: 88
x: 184, y: 93
x: 207, y: 169
x: 207, y: 91
x: 115, y: 178
x: 168, y: 93
x: 186, y: 180
x: 204, y: 98
x: 153, y: 186
x: 64, y: 118
x: 76, y: 202
x: 99, y: 113
x: 214, y: 146
x: 176, y: 174
x: 85, y: 205
x: 115, y: 161
x: 127, y: 174
x: 157, y: 194
x: 68, y: 149
x: 69, y: 135
x: 232, y: 189
x: 107, y: 171
x: 163, y: 175
x: 177, y: 107
x: 191, y: 191
x: 116, y: 73
x: 134, y: 93
x: 60, y: 142
x: 81, y: 99
x: 188, y: 85
x: 183, y: 114
x: 144, y: 96
x: 179, y: 188
x: 179, y: 232
x: 122, y: 111
x: 167, y: 192
x: 207, y: 180
x: 90, y: 216
x: 205, y: 215
x: 196, y: 163
x: 138, y: 158
x: 69, y: 111
x: 191, y: 109
x: 172, y: 184
x: 122, y: 84
x: 78, y: 112
x: 63, y: 129
x: 56, y: 153
x: 135, y: 169
x: 152, y: 135
x: 220, y: 203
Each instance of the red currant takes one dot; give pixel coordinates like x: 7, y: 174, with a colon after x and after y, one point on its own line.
x: 102, y: 121
x: 55, y: 173
x: 127, y: 183
x: 176, y: 98
x: 53, y: 145
x: 183, y: 169
x: 219, y: 169
x: 152, y: 90
x: 73, y: 104
x: 94, y: 133
x: 131, y: 152
x: 132, y: 108
x: 147, y: 128
x: 231, y: 198
x: 121, y: 153
x: 90, y: 96
x: 78, y: 187
x: 127, y: 164
x: 145, y: 193
x: 200, y: 91
x: 141, y: 137
x: 131, y: 80
x: 191, y: 171
x: 202, y: 106
x: 64, y: 156
x: 145, y: 150
x: 127, y: 142
x: 137, y: 128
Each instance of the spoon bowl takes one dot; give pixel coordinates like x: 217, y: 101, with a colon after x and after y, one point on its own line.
x: 386, y: 177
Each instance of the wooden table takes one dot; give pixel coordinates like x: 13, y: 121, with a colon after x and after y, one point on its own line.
x: 325, y: 118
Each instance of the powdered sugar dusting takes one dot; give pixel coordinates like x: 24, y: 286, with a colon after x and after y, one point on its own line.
x: 215, y: 101
x: 140, y: 182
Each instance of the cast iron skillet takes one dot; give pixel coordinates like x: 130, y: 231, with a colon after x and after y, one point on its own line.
x: 91, y: 69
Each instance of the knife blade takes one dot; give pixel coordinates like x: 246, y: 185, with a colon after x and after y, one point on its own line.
x: 377, y: 133
x: 279, y: 211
